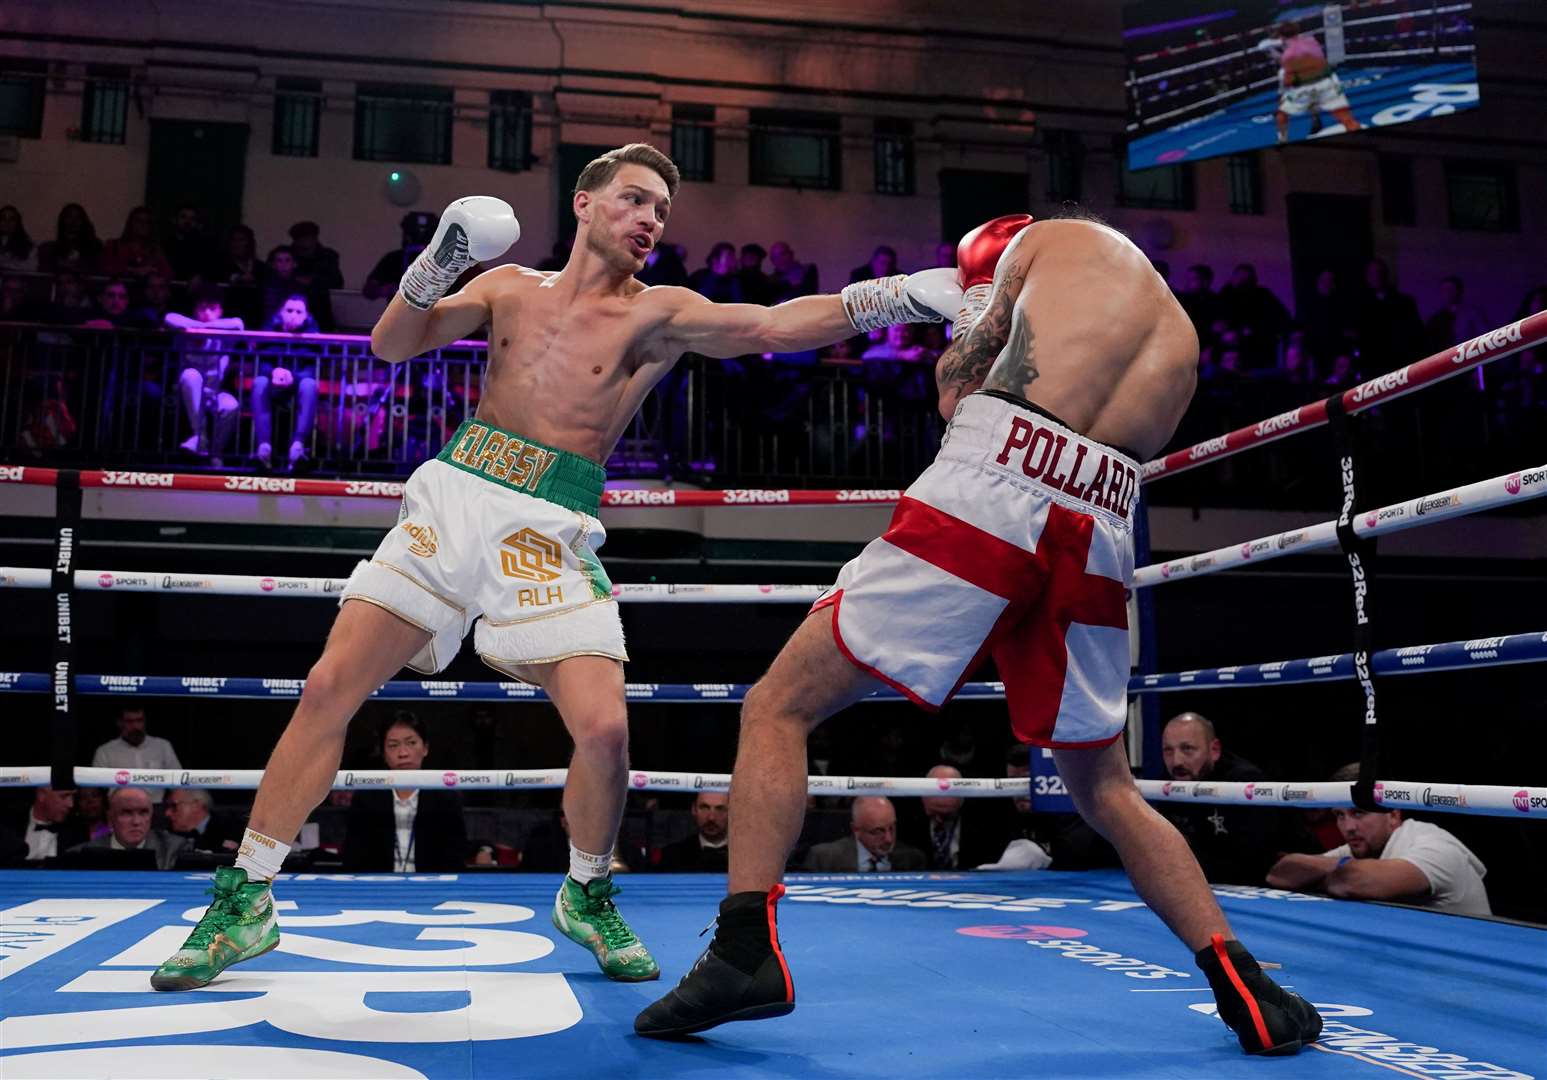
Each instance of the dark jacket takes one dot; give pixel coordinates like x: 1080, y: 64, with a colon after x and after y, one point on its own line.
x: 840, y: 856
x: 688, y: 856
x: 222, y: 833
x: 1236, y: 845
x: 160, y: 844
x: 70, y: 832
x: 980, y: 837
x: 439, y: 836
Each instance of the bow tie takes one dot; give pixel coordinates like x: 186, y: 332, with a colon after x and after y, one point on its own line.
x: 38, y: 826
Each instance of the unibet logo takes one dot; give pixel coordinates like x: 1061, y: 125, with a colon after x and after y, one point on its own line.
x: 530, y: 556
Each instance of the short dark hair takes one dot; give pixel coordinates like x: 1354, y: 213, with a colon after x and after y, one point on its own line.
x: 273, y: 251
x: 1069, y: 210
x: 599, y: 173
x: 1203, y: 271
x: 209, y: 294
x: 304, y: 228
x: 402, y: 718
x: 754, y: 249
x: 714, y: 252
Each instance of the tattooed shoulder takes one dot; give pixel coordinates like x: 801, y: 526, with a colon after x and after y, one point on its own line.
x: 1016, y: 368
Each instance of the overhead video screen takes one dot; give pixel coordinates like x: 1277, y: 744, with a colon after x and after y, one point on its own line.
x: 1211, y: 78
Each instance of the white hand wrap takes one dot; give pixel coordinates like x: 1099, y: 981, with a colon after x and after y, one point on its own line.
x: 436, y: 270
x: 974, y: 303
x: 871, y: 305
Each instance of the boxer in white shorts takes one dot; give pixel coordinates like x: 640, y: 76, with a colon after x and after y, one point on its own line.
x: 499, y: 533
x: 1016, y: 542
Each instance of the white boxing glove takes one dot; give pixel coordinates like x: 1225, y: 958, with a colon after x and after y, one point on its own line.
x: 472, y: 229
x: 925, y: 296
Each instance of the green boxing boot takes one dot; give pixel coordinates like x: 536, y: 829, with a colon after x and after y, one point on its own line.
x: 586, y: 914
x: 239, y: 925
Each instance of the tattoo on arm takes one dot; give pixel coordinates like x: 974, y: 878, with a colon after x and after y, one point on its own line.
x: 1020, y: 353
x: 1000, y: 326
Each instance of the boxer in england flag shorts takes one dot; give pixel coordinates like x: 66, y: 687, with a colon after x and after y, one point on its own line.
x: 1071, y: 362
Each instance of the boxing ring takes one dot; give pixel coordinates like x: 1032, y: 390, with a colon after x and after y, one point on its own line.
x: 1062, y: 973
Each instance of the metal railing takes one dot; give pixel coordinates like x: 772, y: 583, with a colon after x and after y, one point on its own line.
x: 71, y: 395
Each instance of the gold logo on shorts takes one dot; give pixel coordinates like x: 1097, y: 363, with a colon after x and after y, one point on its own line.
x: 529, y: 555
x: 425, y: 540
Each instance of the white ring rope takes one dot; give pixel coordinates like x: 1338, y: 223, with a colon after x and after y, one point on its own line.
x: 1486, y: 800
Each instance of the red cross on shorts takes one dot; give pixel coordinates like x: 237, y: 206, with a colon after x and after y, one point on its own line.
x: 1047, y: 591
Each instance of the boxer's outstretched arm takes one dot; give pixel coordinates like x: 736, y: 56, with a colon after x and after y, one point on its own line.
x: 694, y: 324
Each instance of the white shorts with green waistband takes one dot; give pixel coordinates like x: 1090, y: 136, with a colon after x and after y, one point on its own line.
x: 467, y: 551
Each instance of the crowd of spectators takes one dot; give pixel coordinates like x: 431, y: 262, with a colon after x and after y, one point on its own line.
x: 1347, y: 853
x: 1255, y: 352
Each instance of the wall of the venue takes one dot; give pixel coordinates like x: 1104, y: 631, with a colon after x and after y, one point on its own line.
x: 977, y: 83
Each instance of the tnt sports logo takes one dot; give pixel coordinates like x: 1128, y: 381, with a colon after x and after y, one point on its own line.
x: 531, y: 556
x: 1165, y: 789
x: 640, y: 780
x: 1380, y: 790
x: 121, y: 776
x: 1515, y: 482
x: 1525, y: 802
x: 425, y: 541
x: 1025, y: 932
x: 1512, y: 484
x: 267, y: 584
x: 943, y: 784
x: 105, y: 580
x: 1251, y: 790
x: 449, y: 779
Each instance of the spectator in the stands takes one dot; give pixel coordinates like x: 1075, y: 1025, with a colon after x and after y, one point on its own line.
x: 1343, y: 372
x: 1390, y: 331
x: 883, y: 263
x: 873, y: 847
x: 17, y: 251
x: 47, y: 830
x: 134, y: 748
x: 207, y: 383
x: 188, y: 247
x: 1388, y: 856
x: 1234, y: 844
x: 317, y: 271
x: 418, y: 228
x: 663, y: 266
x: 91, y: 812
x: 706, y: 848
x: 1254, y: 309
x: 1200, y: 301
x: 407, y: 829
x: 69, y: 304
x: 75, y: 245
x: 244, y: 275
x: 789, y: 277
x: 1327, y: 316
x: 718, y: 279
x: 277, y: 379
x: 16, y: 303
x: 129, y: 815
x: 113, y: 311
x: 1299, y: 364
x: 1456, y: 320
x: 155, y: 300
x: 754, y: 283
x: 137, y: 253
x: 191, y: 814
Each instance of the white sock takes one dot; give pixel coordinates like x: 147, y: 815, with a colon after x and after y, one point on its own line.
x: 262, y: 856
x: 584, y: 867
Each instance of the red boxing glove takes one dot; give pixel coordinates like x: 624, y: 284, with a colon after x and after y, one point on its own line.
x: 976, y: 257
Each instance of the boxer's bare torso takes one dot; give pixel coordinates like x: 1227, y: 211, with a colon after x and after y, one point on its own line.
x: 1080, y: 324
x: 573, y: 354
x: 565, y: 369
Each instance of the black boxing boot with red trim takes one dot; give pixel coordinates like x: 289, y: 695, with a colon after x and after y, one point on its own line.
x: 1266, y: 1018
x: 740, y: 976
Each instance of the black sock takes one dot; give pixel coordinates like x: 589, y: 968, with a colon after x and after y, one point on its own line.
x: 742, y: 938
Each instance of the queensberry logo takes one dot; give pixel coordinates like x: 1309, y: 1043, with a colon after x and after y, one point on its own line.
x: 1293, y: 794
x: 355, y: 780
x: 1435, y: 798
x: 512, y: 779
x: 1439, y: 502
